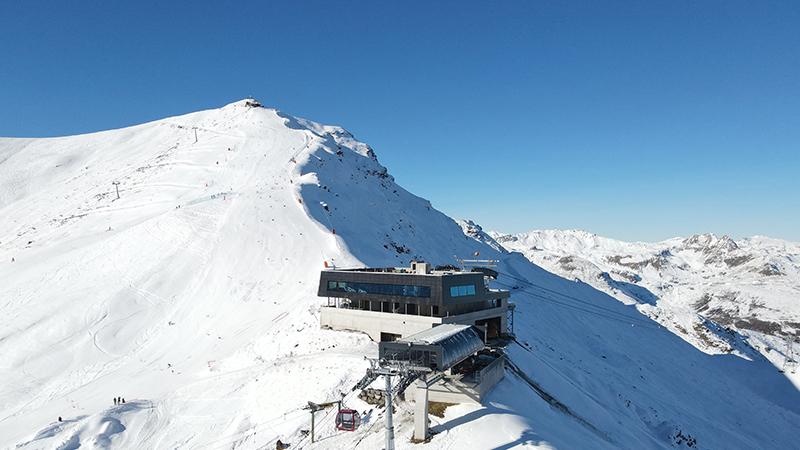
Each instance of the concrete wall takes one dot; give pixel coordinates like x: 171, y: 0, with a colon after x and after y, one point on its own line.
x: 452, y: 391
x: 374, y: 323
x: 491, y: 375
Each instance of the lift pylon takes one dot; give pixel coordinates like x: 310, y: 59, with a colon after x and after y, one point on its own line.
x: 314, y: 407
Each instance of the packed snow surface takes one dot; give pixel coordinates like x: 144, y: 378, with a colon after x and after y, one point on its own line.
x: 192, y: 294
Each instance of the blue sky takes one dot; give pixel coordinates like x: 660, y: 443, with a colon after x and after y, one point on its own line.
x: 633, y: 120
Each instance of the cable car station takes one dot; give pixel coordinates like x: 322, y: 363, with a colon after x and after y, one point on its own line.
x: 395, y: 302
x: 432, y: 326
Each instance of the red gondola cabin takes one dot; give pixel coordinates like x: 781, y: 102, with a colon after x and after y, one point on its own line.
x: 348, y: 420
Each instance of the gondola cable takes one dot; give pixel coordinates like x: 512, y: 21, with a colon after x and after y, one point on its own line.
x: 565, y: 295
x: 611, y: 314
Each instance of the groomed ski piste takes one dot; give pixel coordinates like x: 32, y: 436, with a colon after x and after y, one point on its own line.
x: 193, y: 296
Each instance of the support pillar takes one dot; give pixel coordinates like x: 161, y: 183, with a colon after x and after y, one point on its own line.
x: 389, y: 425
x: 421, y: 410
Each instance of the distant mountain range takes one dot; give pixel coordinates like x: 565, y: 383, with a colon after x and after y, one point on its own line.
x: 705, y: 288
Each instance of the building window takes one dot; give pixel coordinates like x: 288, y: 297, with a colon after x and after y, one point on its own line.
x: 461, y: 291
x: 384, y: 289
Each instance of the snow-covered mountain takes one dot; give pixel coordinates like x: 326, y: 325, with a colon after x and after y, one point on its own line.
x: 192, y: 294
x: 706, y: 288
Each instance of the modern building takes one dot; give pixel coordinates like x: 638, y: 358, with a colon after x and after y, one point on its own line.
x: 395, y: 302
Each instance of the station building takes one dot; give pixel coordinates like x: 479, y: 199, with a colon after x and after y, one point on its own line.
x: 395, y: 302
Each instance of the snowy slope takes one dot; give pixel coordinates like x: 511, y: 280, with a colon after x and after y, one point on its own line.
x: 206, y: 256
x: 717, y: 293
x: 193, y: 296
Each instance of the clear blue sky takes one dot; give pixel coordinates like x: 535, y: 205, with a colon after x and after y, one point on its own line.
x: 633, y: 120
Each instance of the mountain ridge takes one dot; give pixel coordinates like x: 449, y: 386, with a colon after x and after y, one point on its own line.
x: 743, y: 285
x: 193, y: 295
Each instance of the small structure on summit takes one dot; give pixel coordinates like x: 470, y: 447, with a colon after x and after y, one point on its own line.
x: 394, y: 302
x: 253, y: 103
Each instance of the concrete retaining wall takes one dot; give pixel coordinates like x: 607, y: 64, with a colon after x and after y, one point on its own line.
x: 374, y: 323
x: 459, y: 391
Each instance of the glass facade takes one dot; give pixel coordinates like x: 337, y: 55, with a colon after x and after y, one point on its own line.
x: 460, y: 291
x: 384, y: 289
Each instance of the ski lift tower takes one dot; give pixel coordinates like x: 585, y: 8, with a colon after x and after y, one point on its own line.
x: 314, y: 407
x: 388, y: 369
x: 790, y: 361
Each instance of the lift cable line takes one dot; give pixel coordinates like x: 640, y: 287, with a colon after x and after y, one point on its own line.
x: 355, y: 418
x: 406, y: 374
x: 289, y: 416
x: 323, y: 423
x: 568, y: 296
x: 623, y: 318
x: 314, y: 407
x: 218, y: 443
x: 366, y: 433
x: 618, y: 318
x: 608, y: 313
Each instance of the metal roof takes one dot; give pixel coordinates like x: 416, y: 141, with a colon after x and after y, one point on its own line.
x: 436, y: 334
x: 440, y: 348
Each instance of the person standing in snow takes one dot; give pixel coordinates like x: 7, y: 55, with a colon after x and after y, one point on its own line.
x: 115, y: 401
